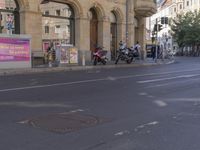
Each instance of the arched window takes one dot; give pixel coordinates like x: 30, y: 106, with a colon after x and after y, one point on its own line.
x: 9, y: 17
x: 57, y: 24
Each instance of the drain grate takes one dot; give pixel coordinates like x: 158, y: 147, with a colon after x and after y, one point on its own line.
x: 65, y: 122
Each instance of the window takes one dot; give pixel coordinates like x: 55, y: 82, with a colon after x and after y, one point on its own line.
x: 57, y: 12
x: 187, y: 3
x: 180, y: 6
x: 9, y: 17
x: 57, y: 29
x: 58, y: 24
x: 46, y: 12
x: 46, y: 28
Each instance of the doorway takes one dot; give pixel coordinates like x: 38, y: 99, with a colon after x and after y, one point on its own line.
x: 113, y: 34
x: 93, y: 29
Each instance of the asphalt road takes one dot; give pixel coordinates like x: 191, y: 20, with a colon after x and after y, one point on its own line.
x: 140, y: 108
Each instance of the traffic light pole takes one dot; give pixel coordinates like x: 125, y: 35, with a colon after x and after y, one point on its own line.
x: 156, y: 41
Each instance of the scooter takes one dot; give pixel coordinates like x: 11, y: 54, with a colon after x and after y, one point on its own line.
x: 99, y: 56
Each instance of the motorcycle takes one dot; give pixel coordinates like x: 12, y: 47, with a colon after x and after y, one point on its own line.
x: 134, y: 52
x: 125, y: 54
x: 99, y: 56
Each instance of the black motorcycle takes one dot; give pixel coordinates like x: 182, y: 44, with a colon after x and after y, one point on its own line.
x: 125, y: 54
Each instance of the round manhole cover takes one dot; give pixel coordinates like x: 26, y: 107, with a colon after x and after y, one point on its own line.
x: 63, y: 123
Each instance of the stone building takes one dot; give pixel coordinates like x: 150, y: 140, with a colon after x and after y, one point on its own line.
x: 170, y: 9
x: 83, y: 23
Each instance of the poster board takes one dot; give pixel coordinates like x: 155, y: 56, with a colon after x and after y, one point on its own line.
x: 15, y: 51
x: 67, y: 54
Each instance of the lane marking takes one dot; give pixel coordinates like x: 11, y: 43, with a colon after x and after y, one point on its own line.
x: 50, y: 85
x: 170, y: 78
x: 35, y: 104
x: 171, y: 83
x: 24, y: 122
x: 122, y: 133
x: 146, y: 125
x: 160, y: 103
x: 142, y: 94
x: 93, y: 80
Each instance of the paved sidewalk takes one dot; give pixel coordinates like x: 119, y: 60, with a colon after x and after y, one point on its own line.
x: 110, y: 64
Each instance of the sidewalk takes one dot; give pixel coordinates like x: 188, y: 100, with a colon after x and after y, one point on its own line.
x: 110, y: 64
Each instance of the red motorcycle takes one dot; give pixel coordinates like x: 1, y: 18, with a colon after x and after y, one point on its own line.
x: 99, y: 55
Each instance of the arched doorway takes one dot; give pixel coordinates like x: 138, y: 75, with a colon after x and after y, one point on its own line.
x: 113, y: 34
x: 9, y: 17
x: 58, y: 24
x: 93, y: 29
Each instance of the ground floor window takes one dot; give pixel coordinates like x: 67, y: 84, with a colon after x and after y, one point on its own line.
x: 9, y: 17
x: 57, y: 24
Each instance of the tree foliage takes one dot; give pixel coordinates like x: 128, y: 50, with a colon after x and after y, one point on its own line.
x: 186, y: 29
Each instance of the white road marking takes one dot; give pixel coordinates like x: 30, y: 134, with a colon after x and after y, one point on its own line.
x: 160, y: 103
x: 50, y: 85
x: 171, y: 83
x: 145, y: 125
x: 93, y: 80
x: 34, y: 104
x: 111, y: 78
x: 170, y: 78
x: 77, y: 110
x: 183, y: 99
x: 142, y: 94
x: 122, y: 133
x: 150, y: 96
x: 23, y: 122
x: 72, y: 111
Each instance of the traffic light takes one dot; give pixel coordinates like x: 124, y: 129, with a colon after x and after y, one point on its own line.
x: 157, y: 27
x: 164, y: 20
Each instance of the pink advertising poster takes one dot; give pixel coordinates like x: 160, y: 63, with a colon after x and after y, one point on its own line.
x: 12, y: 49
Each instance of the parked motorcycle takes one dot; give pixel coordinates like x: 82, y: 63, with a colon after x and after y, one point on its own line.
x: 99, y: 56
x: 125, y: 54
x: 134, y: 52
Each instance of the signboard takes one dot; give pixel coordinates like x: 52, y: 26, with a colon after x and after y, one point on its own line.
x: 64, y: 56
x: 67, y: 54
x: 13, y: 49
x: 73, y: 52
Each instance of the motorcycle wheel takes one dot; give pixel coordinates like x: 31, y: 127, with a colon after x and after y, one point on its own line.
x: 129, y: 61
x: 103, y: 62
x: 95, y: 62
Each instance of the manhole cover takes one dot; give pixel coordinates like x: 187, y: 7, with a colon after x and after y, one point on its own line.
x: 65, y: 122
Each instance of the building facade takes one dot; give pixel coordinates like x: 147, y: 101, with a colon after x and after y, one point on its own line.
x: 82, y: 23
x: 170, y: 9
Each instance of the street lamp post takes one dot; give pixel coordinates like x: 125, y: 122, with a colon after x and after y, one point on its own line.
x: 127, y: 21
x: 156, y: 41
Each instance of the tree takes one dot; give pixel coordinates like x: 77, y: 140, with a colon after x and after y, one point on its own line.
x: 186, y: 30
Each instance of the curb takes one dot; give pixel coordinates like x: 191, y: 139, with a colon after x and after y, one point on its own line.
x: 5, y: 72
